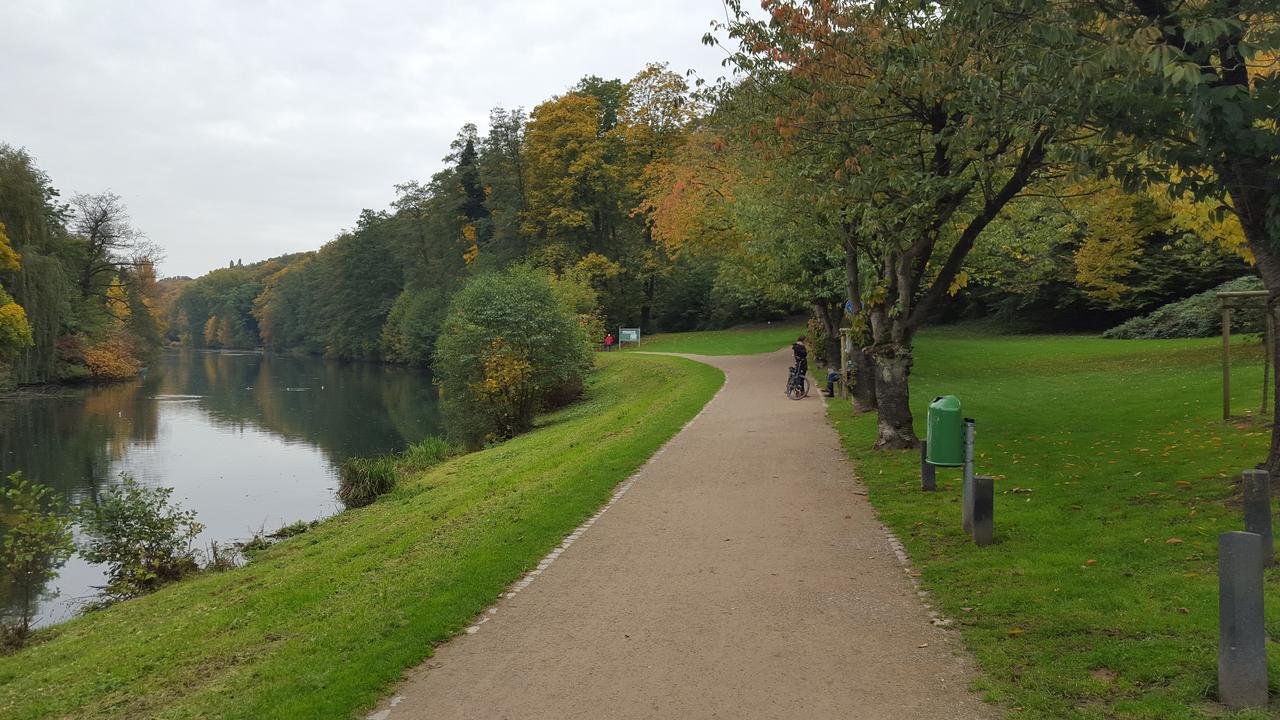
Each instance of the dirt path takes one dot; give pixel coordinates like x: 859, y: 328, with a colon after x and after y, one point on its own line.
x: 740, y: 576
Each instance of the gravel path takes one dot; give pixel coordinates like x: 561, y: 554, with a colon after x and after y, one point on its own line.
x: 741, y: 575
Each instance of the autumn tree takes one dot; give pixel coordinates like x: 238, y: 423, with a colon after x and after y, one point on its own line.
x: 932, y: 118
x: 1197, y: 86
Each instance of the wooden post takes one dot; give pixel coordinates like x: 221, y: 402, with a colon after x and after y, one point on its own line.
x: 928, y: 473
x: 1226, y: 362
x: 1242, y: 633
x: 1267, y: 360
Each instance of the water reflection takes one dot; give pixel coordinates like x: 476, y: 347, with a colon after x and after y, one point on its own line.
x: 248, y: 440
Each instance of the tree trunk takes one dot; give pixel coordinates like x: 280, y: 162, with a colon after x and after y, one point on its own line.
x: 863, y: 370
x: 863, y: 374
x: 830, y: 317
x: 1251, y: 184
x: 1268, y: 265
x: 893, y: 400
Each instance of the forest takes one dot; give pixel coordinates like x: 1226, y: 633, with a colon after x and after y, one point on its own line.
x: 658, y: 194
x: 877, y: 167
x: 78, y: 291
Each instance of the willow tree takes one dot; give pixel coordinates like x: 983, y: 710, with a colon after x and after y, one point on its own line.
x: 930, y: 120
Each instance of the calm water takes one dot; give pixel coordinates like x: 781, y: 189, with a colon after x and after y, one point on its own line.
x: 248, y: 441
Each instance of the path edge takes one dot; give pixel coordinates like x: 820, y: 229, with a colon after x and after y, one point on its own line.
x: 382, y: 710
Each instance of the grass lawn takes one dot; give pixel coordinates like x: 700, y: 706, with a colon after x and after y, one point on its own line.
x: 747, y: 340
x: 320, y: 625
x: 1114, y: 475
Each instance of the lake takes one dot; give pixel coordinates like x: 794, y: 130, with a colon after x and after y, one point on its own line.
x: 249, y: 441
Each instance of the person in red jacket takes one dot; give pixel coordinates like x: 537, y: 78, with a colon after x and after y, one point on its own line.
x: 608, y: 342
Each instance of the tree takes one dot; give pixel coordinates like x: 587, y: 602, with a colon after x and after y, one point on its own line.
x: 932, y: 119
x: 15, y: 330
x: 509, y: 347
x: 569, y: 177
x: 36, y: 543
x: 102, y: 224
x: 143, y: 539
x: 1196, y: 85
x: 503, y: 173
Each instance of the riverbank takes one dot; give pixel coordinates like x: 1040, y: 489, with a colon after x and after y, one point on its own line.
x: 1114, y: 475
x: 320, y: 624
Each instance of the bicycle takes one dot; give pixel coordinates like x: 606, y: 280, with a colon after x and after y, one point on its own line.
x: 797, y: 383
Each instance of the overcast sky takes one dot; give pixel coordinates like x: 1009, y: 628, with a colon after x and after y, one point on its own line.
x: 249, y: 129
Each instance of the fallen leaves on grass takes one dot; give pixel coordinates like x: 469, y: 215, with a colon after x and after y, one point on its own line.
x: 1173, y: 541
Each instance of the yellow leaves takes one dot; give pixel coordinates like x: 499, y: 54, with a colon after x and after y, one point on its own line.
x: 504, y: 370
x: 117, y: 297
x: 15, y: 331
x: 959, y: 283
x: 9, y: 259
x: 211, y: 330
x: 473, y: 248
x: 593, y: 270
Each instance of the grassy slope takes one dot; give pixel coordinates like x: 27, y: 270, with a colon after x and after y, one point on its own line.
x: 735, y: 341
x: 1083, y: 609
x: 319, y: 625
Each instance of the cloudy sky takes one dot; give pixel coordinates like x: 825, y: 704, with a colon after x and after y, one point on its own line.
x: 237, y: 129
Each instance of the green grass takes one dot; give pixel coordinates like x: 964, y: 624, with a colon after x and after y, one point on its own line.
x: 1103, y: 452
x: 747, y: 340
x: 323, y: 623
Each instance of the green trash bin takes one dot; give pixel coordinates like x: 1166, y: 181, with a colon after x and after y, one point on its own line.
x: 946, y: 432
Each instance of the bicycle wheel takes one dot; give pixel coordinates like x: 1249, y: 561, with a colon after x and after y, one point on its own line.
x: 797, y: 390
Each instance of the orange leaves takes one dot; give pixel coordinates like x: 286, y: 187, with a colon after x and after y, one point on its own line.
x: 111, y: 359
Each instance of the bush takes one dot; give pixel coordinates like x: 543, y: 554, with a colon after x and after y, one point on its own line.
x: 363, y: 480
x: 430, y: 451
x: 293, y: 529
x: 1197, y: 316
x: 37, y: 541
x: 143, y: 540
x: 509, y: 347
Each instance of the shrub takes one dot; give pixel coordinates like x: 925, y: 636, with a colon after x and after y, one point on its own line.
x: 294, y: 528
x: 111, y: 359
x: 221, y: 557
x: 363, y: 480
x: 37, y: 541
x: 1197, y: 316
x: 143, y: 540
x: 508, y: 348
x: 430, y: 451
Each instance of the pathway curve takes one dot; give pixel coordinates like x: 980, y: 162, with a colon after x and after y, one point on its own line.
x: 741, y: 576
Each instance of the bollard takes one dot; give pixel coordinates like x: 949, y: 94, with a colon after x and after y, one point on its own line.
x: 966, y: 488
x: 928, y: 473
x: 984, y: 503
x: 1257, y: 510
x: 1242, y: 652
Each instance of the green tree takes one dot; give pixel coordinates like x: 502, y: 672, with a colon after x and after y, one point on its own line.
x: 36, y: 543
x: 508, y: 348
x: 143, y: 539
x: 1196, y: 86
